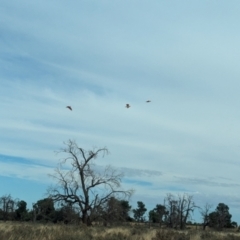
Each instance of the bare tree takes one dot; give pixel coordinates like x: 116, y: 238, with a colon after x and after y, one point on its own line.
x: 179, y: 210
x: 79, y: 184
x: 205, y: 214
x: 8, y: 207
x: 171, y: 204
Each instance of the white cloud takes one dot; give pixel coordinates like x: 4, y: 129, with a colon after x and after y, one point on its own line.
x: 25, y: 171
x: 98, y: 56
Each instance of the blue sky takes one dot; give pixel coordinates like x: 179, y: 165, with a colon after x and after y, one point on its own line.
x: 99, y: 55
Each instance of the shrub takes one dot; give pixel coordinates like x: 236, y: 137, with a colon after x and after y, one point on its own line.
x: 170, y: 235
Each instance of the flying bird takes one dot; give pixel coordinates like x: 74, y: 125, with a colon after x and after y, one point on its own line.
x: 148, y: 101
x: 127, y: 105
x: 69, y: 107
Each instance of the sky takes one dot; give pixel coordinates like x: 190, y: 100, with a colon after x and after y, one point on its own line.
x: 97, y: 56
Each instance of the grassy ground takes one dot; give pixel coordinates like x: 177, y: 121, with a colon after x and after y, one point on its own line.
x: 29, y: 231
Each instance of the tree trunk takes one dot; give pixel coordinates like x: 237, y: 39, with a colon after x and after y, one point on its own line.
x: 204, y: 225
x: 86, y: 219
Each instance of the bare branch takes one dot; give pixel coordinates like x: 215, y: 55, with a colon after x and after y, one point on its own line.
x: 81, y: 184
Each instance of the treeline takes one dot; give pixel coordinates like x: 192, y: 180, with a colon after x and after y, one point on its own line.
x: 86, y: 194
x: 176, y: 212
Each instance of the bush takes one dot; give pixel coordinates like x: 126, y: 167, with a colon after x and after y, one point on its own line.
x: 170, y: 235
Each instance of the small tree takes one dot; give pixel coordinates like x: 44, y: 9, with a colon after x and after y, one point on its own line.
x: 115, y: 210
x: 179, y: 210
x: 234, y: 224
x: 44, y: 210
x: 161, y: 212
x: 156, y: 215
x: 66, y: 214
x: 205, y: 214
x: 221, y: 217
x: 21, y: 211
x: 139, y: 212
x: 111, y: 211
x: 8, y: 207
x: 125, y: 210
x: 79, y: 184
x: 224, y: 217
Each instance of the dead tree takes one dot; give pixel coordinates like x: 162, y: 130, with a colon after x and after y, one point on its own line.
x: 8, y: 206
x: 205, y: 214
x: 81, y: 185
x: 179, y: 210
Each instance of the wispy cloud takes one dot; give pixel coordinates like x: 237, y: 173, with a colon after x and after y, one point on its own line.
x: 31, y: 172
x: 99, y: 56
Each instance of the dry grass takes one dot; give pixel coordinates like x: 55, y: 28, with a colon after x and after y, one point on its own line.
x: 30, y: 231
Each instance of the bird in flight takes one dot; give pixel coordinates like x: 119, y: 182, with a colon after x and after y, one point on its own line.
x: 127, y: 105
x: 148, y: 101
x: 69, y: 107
